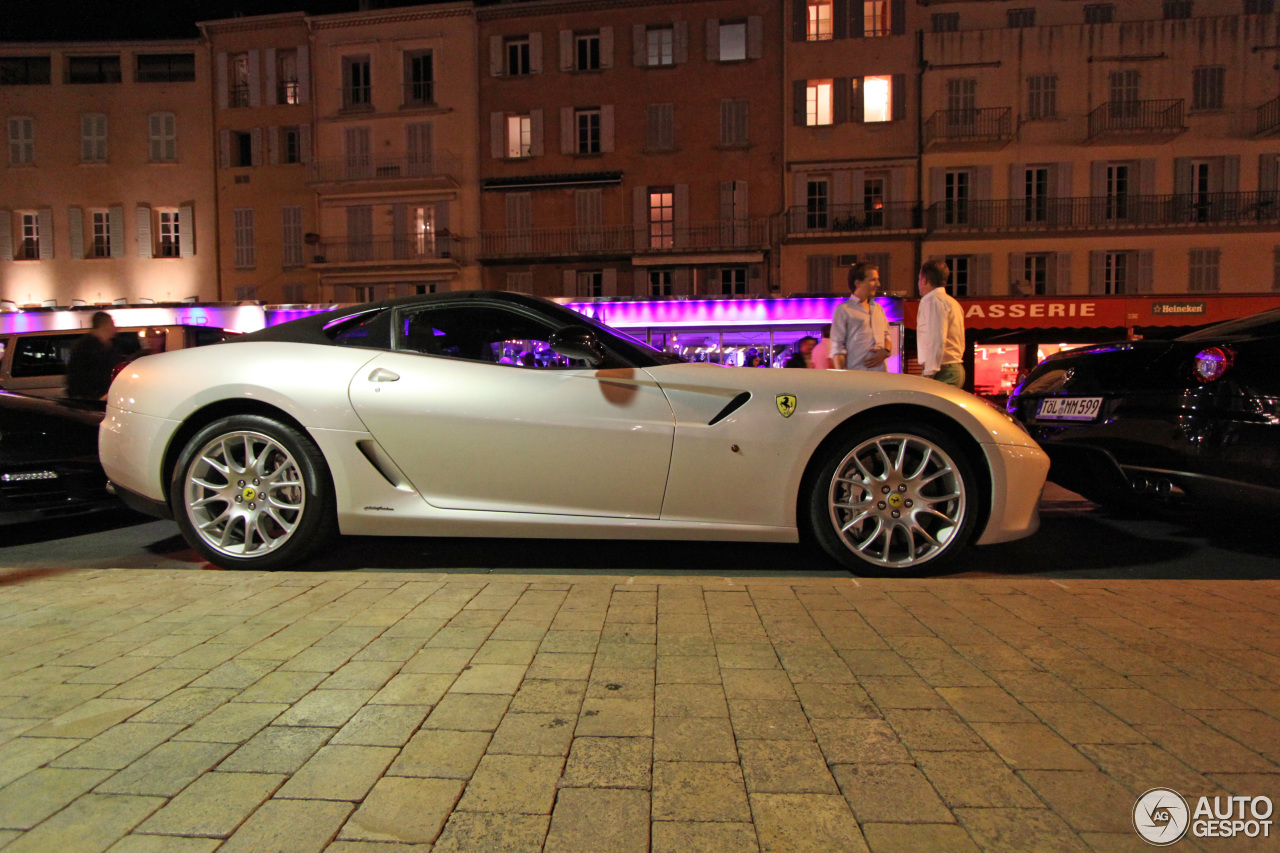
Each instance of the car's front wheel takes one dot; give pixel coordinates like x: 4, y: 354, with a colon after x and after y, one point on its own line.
x: 894, y: 497
x: 249, y: 492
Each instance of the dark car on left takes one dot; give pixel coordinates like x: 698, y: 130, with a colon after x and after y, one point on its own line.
x: 49, y: 464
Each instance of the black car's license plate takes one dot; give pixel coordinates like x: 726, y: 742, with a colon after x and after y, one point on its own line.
x: 1069, y: 408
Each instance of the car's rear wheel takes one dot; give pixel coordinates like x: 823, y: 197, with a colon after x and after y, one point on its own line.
x: 249, y: 492
x: 894, y: 497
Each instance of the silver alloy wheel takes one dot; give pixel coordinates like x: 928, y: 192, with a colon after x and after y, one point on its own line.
x: 244, y: 494
x: 897, y: 500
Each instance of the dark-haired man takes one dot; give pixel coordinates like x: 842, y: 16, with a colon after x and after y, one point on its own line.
x: 92, y: 357
x: 859, y: 327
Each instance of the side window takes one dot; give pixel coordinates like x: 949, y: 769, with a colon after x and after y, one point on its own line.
x: 42, y: 355
x: 488, y: 333
x: 370, y: 329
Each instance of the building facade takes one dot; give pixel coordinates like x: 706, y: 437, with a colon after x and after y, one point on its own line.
x: 395, y: 174
x: 261, y: 104
x: 107, y: 195
x: 631, y: 150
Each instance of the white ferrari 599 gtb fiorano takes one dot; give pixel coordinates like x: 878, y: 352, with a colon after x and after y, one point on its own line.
x: 496, y: 414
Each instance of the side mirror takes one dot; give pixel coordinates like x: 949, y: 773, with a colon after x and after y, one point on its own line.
x: 577, y: 342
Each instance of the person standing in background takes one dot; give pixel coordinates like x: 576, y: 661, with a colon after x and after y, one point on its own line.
x: 939, y: 327
x: 803, y: 355
x: 92, y: 357
x: 859, y: 327
x: 820, y: 358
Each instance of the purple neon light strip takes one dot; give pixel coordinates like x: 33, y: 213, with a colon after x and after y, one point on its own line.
x: 704, y: 313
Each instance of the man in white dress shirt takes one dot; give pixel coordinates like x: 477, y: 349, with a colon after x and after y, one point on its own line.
x: 859, y: 328
x: 939, y: 327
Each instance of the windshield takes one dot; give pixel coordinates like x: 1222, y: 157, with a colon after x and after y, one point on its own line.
x: 1266, y: 324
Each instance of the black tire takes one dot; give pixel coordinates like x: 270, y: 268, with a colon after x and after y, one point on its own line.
x: 223, y: 514
x: 920, y: 473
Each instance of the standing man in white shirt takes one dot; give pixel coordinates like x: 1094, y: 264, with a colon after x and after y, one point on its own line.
x: 859, y: 328
x: 939, y: 327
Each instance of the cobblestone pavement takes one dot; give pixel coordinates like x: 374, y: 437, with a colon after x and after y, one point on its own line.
x: 193, y: 711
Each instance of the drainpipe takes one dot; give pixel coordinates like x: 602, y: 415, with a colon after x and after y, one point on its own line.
x: 922, y: 65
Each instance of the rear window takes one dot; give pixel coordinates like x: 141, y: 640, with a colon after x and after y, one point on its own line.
x: 42, y: 355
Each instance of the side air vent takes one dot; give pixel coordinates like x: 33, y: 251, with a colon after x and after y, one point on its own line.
x: 384, y: 466
x: 736, y: 403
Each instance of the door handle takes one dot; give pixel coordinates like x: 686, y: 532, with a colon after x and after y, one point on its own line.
x: 381, y: 374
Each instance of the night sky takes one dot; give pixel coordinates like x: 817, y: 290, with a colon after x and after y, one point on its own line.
x: 93, y: 20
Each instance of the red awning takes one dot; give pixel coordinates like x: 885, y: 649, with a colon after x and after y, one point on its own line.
x: 1104, y: 311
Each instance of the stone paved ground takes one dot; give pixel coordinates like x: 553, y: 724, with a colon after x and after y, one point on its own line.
x: 192, y: 711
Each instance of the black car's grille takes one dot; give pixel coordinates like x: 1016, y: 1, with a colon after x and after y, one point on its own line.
x: 69, y: 487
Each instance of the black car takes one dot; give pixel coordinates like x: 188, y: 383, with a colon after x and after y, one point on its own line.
x: 49, y: 458
x: 1190, y: 420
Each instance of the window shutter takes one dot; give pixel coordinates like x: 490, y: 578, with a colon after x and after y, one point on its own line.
x: 145, y: 248
x: 680, y: 281
x: 569, y: 282
x: 535, y: 122
x: 1268, y: 173
x: 271, y: 77
x: 495, y: 56
x: 1062, y: 186
x: 937, y: 184
x: 186, y: 231
x: 639, y: 45
x: 840, y: 101
x: 1275, y: 268
x: 1146, y: 266
x: 800, y: 200
x: 740, y: 201
x: 1146, y: 177
x: 713, y: 39
x: 442, y: 217
x: 6, y: 236
x: 680, y: 50
x: 115, y: 230
x: 44, y: 230
x: 224, y: 93
x: 75, y: 228
x: 255, y: 79
x: 1062, y: 279
x: 273, y: 146
x: 606, y: 47
x: 800, y: 20
x: 224, y: 149
x: 981, y: 182
x: 1182, y: 175
x: 854, y: 97
x: 857, y: 191
x: 1098, y: 179
x: 496, y: 140
x: 568, y: 138
x: 304, y: 74
x: 726, y: 201
x: 566, y: 50
x: 304, y: 143
x: 839, y: 18
x: 606, y: 128
x: 1017, y: 269
x: 255, y: 145
x: 898, y: 17
x: 680, y: 203
x: 898, y: 83
x: 535, y: 53
x: 400, y: 230
x: 1097, y: 271
x: 842, y: 184
x: 755, y: 37
x: 980, y: 275
x: 420, y: 149
x: 897, y: 188
x: 799, y: 102
x: 1231, y: 173
x: 640, y: 217
x: 155, y: 130
x: 857, y: 19
x: 609, y: 282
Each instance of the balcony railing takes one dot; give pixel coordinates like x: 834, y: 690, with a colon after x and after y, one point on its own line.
x: 400, y: 250
x: 1137, y: 118
x: 1269, y: 117
x: 989, y: 126
x: 625, y: 239
x: 1118, y: 212
x: 853, y: 219
x: 440, y: 164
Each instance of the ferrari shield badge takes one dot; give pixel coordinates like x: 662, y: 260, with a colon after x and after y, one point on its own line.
x: 786, y: 405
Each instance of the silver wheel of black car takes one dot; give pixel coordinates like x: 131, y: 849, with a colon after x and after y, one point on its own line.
x: 249, y: 492
x: 894, y: 498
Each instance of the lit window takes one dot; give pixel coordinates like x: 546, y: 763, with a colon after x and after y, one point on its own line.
x: 661, y: 46
x: 818, y: 103
x: 287, y: 77
x: 819, y: 21
x: 877, y: 98
x: 875, y: 14
x: 101, y: 246
x: 519, y: 136
x: 29, y: 248
x: 661, y: 219
x: 170, y: 238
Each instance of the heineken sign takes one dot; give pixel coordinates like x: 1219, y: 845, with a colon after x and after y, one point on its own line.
x: 1165, y: 308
